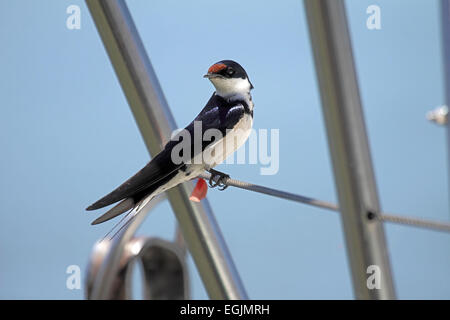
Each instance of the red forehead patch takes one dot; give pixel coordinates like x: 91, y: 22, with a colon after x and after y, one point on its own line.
x: 216, y: 68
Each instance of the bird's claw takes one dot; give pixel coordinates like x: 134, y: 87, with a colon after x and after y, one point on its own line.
x: 218, y: 179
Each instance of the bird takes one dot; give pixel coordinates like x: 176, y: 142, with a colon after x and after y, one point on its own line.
x: 228, y: 113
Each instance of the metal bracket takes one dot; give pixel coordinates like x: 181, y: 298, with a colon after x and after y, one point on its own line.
x: 164, y: 268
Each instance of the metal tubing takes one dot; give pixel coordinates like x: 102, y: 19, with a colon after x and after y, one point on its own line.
x: 106, y: 278
x: 152, y: 114
x: 350, y: 154
x: 445, y: 21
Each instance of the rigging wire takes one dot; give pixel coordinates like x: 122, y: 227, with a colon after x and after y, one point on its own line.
x: 385, y: 217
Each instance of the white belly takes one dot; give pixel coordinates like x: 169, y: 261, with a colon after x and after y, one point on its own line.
x: 233, y: 140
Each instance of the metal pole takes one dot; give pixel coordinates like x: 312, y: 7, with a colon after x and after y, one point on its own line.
x: 152, y: 114
x: 445, y: 20
x: 349, y: 147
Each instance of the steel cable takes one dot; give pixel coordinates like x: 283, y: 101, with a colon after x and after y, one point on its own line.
x: 385, y: 217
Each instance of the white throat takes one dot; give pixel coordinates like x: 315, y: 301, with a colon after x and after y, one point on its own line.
x: 229, y: 88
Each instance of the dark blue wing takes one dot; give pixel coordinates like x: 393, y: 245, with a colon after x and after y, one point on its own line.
x: 218, y: 114
x: 155, y: 171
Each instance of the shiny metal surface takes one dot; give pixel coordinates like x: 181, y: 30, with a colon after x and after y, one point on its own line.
x: 164, y: 270
x: 109, y: 271
x: 438, y: 115
x: 349, y: 148
x: 445, y: 23
x: 155, y: 121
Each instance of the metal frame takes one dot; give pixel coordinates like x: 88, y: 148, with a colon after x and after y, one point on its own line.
x: 155, y: 121
x: 347, y: 139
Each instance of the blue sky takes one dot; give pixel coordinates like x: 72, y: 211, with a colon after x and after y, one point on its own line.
x: 67, y: 137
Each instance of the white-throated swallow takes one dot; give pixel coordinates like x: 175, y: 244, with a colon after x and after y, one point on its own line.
x: 229, y: 111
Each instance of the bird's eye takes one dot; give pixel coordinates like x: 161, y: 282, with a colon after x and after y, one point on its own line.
x: 230, y: 71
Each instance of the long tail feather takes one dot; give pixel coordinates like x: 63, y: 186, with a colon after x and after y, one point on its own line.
x: 117, y: 225
x: 120, y: 208
x: 131, y: 217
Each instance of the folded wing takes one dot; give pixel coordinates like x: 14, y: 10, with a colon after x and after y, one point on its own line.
x: 218, y: 114
x: 157, y: 169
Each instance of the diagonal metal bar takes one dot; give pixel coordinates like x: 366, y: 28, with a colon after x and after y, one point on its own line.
x: 155, y: 121
x: 349, y: 148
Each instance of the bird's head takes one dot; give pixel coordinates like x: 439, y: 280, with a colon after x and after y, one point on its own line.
x: 229, y: 78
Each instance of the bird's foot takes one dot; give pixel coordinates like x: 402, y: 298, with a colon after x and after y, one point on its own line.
x: 218, y: 179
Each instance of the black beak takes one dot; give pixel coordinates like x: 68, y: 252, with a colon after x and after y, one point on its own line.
x: 210, y: 75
